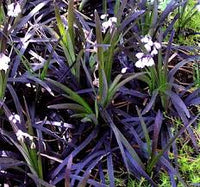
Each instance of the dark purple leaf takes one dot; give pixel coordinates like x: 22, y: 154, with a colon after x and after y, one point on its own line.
x: 179, y: 65
x: 110, y: 164
x: 156, y: 131
x: 84, y: 163
x: 151, y: 102
x: 68, y: 171
x: 139, y: 169
x: 130, y: 19
x: 178, y: 103
x: 75, y: 152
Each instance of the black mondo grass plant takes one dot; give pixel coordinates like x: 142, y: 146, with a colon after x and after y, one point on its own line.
x: 89, y: 92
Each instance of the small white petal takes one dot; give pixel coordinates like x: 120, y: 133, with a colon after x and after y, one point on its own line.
x: 109, y: 23
x: 20, y: 138
x: 17, y: 117
x: 124, y: 70
x: 150, y: 62
x: 139, y: 64
x: 154, y: 52
x: 157, y: 45
x: 33, y: 146
x: 14, y: 120
x: 17, y: 9
x: 113, y: 19
x: 19, y: 135
x: 29, y: 136
x: 103, y: 16
x: 139, y: 55
x: 147, y: 47
x: 145, y: 39
x: 14, y: 9
x: 106, y: 25
x: 30, y: 85
x: 4, y: 154
x: 96, y: 82
x: 4, y: 60
x: 10, y: 117
x: 150, y: 43
x: 145, y: 61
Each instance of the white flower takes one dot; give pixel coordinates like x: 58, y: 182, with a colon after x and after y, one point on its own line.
x: 113, y: 19
x: 106, y: 25
x: 109, y: 23
x: 30, y: 85
x: 144, y: 60
x: 3, y: 154
x: 96, y: 82
x: 149, y: 61
x: 154, y: 52
x: 145, y: 39
x: 148, y: 42
x: 139, y: 55
x: 14, y: 118
x: 157, y: 45
x: 103, y: 16
x: 124, y: 70
x: 4, y: 60
x: 21, y: 135
x: 152, y: 49
x: 147, y: 47
x: 33, y: 146
x: 139, y: 64
x: 14, y: 9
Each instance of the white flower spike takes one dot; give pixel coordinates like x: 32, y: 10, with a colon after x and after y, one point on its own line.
x: 14, y: 118
x: 109, y: 23
x: 4, y: 60
x: 144, y: 60
x: 14, y: 9
x: 21, y: 135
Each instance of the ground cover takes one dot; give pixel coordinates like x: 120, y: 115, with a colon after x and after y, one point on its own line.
x: 99, y: 93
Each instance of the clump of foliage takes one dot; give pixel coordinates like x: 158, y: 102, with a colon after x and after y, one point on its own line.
x: 88, y: 93
x: 188, y: 165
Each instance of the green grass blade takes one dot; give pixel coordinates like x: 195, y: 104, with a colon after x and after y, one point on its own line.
x: 100, y: 56
x: 66, y: 39
x: 70, y: 19
x: 145, y: 131
x: 73, y: 95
